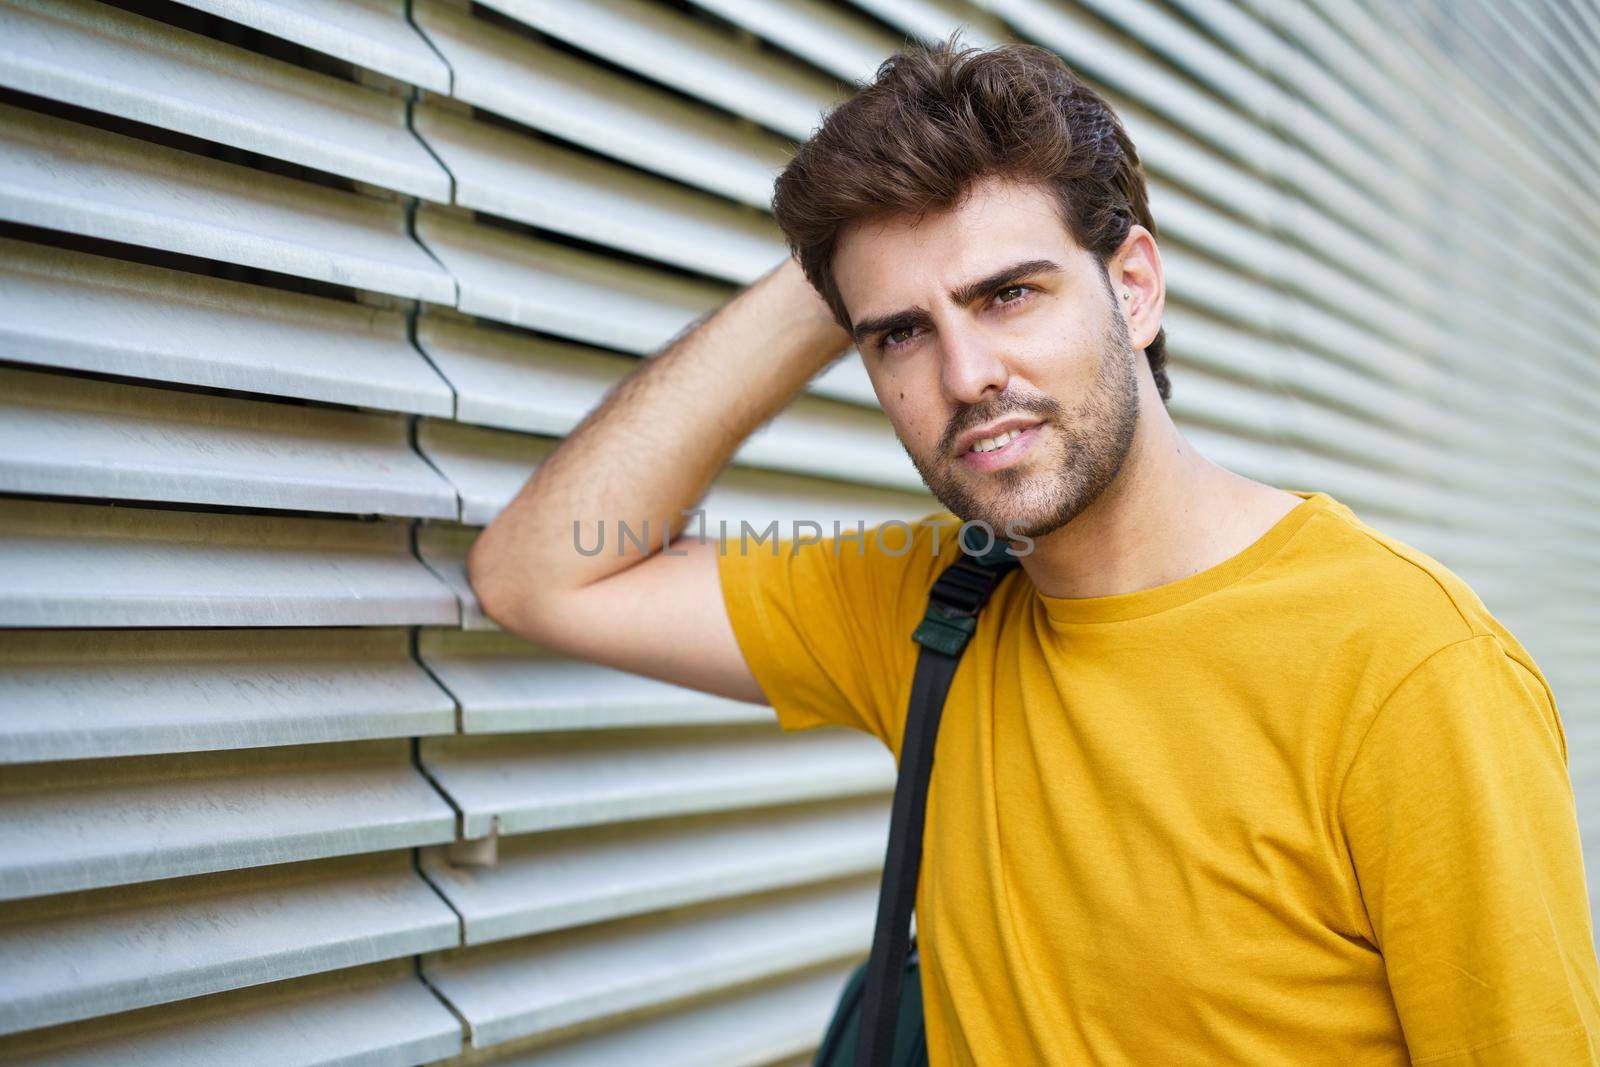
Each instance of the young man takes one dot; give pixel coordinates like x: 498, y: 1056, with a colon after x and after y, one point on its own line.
x: 1225, y: 775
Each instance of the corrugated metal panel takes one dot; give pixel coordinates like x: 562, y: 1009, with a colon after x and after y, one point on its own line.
x: 543, y: 983
x: 70, y: 177
x: 813, y: 436
x: 82, y: 437
x: 95, y: 565
x: 375, y: 1016
x: 369, y: 33
x: 77, y: 694
x: 94, y: 313
x: 688, y: 55
x: 539, y: 86
x: 542, y: 184
x: 443, y: 549
x: 503, y: 683
x: 838, y: 41
x: 567, y: 878
x: 182, y: 81
x: 545, y: 286
x: 81, y: 955
x: 749, y: 1027
x: 90, y: 823
x: 521, y: 783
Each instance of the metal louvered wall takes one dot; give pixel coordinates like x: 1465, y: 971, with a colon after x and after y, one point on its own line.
x: 296, y: 293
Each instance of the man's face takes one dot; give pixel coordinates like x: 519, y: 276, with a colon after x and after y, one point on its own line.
x: 1043, y: 350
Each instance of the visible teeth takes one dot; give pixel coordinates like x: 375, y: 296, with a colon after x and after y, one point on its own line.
x: 989, y: 444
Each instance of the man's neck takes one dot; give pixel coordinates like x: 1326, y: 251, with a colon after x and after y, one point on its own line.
x: 1169, y: 514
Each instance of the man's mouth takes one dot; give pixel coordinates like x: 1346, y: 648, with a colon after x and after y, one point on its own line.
x: 1002, y: 450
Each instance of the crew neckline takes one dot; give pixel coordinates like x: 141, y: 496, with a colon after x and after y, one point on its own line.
x: 1140, y: 603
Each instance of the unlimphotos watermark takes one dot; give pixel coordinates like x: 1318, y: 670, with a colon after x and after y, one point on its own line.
x: 894, y: 537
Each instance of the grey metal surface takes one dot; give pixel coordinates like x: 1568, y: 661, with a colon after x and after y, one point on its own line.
x: 541, y: 285
x: 380, y: 1015
x: 832, y: 38
x: 82, y: 312
x: 176, y: 80
x: 83, y: 955
x: 505, y: 684
x: 570, y: 878
x: 756, y: 1025
x: 531, y: 985
x: 584, y: 778
x: 545, y: 88
x: 89, y: 823
x: 100, y: 565
x: 86, y: 181
x: 541, y: 184
x: 442, y: 547
x: 487, y: 467
x: 369, y: 33
x: 73, y: 436
x: 80, y: 694
x: 689, y: 55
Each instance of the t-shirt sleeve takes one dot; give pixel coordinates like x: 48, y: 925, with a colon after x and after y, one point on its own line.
x: 826, y: 627
x: 1458, y: 812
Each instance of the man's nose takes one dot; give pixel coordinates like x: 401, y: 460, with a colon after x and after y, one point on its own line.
x: 974, y: 366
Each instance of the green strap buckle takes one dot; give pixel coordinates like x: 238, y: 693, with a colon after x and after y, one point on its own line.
x: 947, y: 633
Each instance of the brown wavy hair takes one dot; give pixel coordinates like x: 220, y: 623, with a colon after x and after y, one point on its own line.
x: 935, y: 119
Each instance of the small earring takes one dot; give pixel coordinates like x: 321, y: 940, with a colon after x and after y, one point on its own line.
x: 1124, y: 296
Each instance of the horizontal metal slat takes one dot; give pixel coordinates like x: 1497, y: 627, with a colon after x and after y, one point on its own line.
x: 504, y: 684
x: 443, y: 549
x: 97, y: 565
x: 67, y: 309
x: 73, y: 436
x: 522, y: 280
x: 545, y: 88
x: 109, y: 950
x: 488, y: 466
x: 687, y: 54
x: 568, y: 878
x: 91, y: 823
x: 548, y: 781
x: 376, y: 1016
x: 369, y: 33
x: 932, y: 20
x: 823, y: 437
x: 80, y: 694
x: 542, y: 184
x: 845, y: 45
x: 66, y: 176
x: 755, y: 1025
x: 542, y: 983
x: 176, y: 80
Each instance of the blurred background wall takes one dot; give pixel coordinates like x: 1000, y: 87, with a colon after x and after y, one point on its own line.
x: 295, y: 294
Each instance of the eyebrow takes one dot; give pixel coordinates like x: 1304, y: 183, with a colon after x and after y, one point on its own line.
x: 960, y: 296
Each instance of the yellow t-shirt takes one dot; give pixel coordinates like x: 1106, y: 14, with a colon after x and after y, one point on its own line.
x: 1310, y: 805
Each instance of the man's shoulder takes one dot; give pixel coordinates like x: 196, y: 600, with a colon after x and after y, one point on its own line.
x: 1399, y: 603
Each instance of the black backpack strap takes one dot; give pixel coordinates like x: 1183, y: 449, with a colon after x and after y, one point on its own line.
x: 951, y: 618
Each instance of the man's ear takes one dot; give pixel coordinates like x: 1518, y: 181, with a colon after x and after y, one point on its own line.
x: 1138, y: 283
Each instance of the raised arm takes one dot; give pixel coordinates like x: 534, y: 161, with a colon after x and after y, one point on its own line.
x: 650, y: 451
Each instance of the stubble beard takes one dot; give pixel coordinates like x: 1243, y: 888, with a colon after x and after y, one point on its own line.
x: 1075, y: 462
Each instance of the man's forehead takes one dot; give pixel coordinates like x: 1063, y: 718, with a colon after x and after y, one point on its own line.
x: 895, y: 261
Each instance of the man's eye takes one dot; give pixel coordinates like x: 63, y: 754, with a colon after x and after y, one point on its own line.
x: 889, y: 341
x: 1018, y: 289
